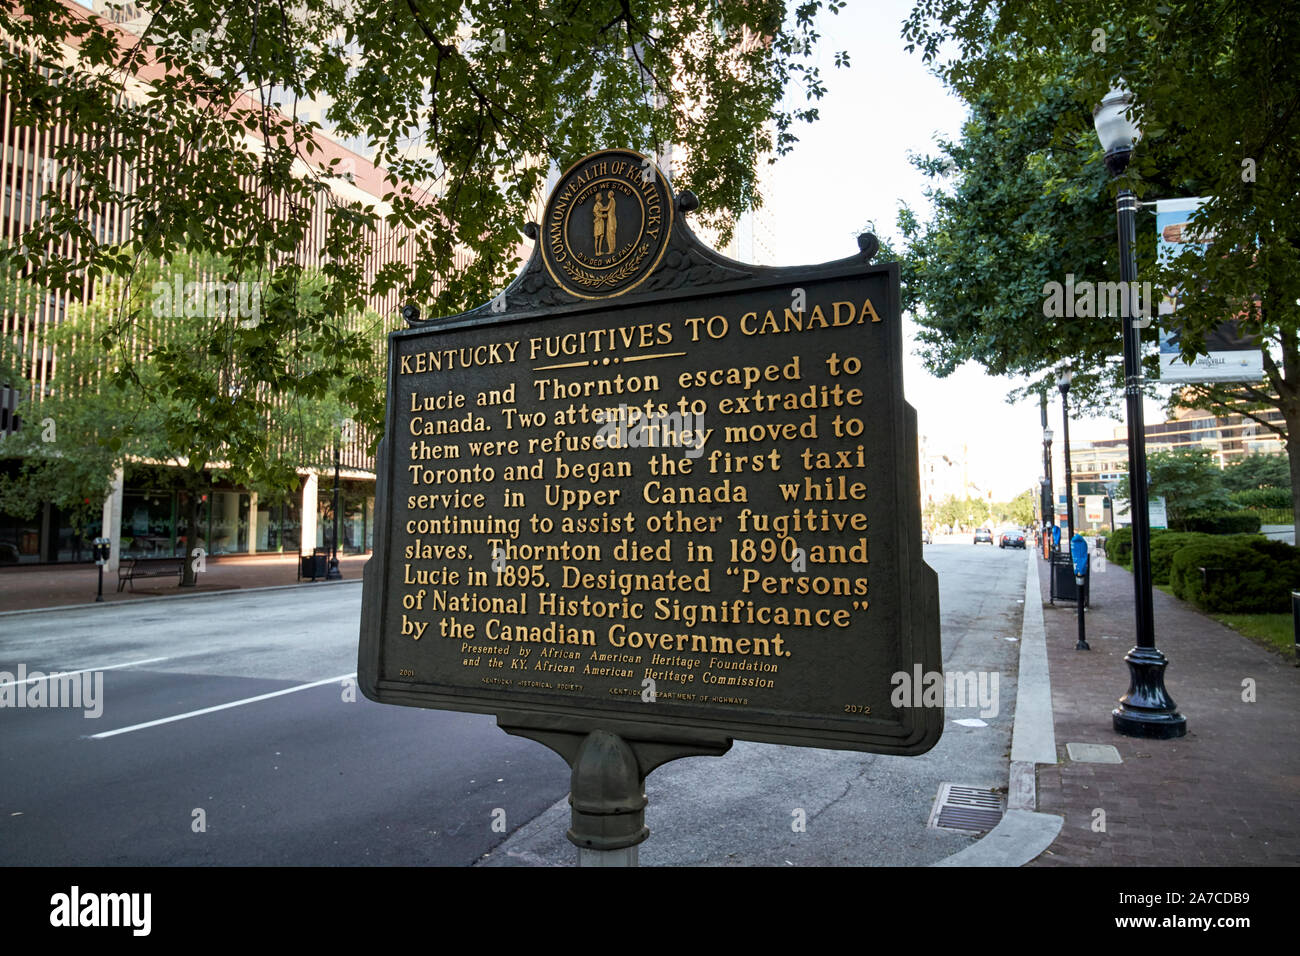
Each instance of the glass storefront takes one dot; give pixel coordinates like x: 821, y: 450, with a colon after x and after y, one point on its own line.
x: 357, y: 515
x: 279, y: 525
x: 73, y: 544
x: 225, y: 518
x: 155, y: 523
x: 226, y: 522
x: 48, y: 535
x: 148, y: 524
x: 20, y: 540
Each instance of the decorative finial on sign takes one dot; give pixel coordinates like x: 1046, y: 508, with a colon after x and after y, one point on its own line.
x: 687, y: 201
x: 531, y: 231
x: 411, y: 313
x: 869, y: 245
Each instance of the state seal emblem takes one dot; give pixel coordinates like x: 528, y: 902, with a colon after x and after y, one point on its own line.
x: 607, y: 224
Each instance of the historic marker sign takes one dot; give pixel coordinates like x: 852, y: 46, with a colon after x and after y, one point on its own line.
x: 652, y: 489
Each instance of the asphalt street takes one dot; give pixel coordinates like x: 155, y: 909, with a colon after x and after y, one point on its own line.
x: 319, y: 776
x: 231, y: 733
x: 858, y: 809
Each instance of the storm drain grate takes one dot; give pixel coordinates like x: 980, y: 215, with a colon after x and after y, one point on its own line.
x: 972, y: 809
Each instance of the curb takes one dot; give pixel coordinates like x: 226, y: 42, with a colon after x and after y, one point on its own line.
x: 173, y: 597
x: 1023, y: 833
x: 1017, y: 839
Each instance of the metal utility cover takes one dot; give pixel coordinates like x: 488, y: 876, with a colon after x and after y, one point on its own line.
x: 1093, y: 753
x: 976, y: 809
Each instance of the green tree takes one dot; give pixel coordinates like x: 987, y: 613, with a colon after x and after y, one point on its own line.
x: 467, y: 105
x: 1216, y: 85
x: 1188, y: 479
x: 967, y: 512
x: 1257, y: 471
x: 160, y: 391
x: 1022, y: 510
x: 1020, y: 211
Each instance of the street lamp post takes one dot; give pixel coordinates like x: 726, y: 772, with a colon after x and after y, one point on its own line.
x: 1146, y: 710
x: 1043, y: 504
x: 332, y: 573
x: 1051, y: 492
x: 1045, y: 482
x: 1063, y: 379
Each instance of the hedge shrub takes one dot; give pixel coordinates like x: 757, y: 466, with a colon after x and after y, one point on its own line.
x: 1247, y: 576
x: 1263, y: 498
x: 1119, y: 546
x: 1223, y: 522
x: 1286, y: 560
x: 1164, y: 545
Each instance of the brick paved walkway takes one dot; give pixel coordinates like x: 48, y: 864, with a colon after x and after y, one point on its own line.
x: 1227, y: 793
x: 23, y: 588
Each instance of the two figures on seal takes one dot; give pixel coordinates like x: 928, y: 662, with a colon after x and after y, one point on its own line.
x: 604, y: 224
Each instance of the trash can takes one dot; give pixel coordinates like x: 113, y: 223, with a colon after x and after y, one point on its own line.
x: 1062, y: 584
x: 312, y: 565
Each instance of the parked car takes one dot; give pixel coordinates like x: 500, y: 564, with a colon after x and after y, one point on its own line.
x: 983, y: 534
x: 1012, y: 538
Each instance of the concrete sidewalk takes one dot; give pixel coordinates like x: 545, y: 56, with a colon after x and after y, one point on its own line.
x: 25, y: 588
x: 1225, y: 794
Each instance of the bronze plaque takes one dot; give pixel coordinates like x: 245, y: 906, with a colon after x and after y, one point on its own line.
x: 693, y: 508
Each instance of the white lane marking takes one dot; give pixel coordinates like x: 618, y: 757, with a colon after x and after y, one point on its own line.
x: 233, y: 703
x: 85, y: 670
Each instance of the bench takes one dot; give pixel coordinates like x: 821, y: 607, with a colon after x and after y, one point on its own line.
x: 132, y: 568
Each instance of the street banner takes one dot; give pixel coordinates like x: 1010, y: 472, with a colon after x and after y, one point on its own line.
x: 1230, y: 357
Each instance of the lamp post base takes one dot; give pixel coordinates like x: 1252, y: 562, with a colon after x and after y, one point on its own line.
x: 1147, y: 710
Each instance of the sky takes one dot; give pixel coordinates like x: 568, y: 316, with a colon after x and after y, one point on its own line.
x: 882, y: 109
